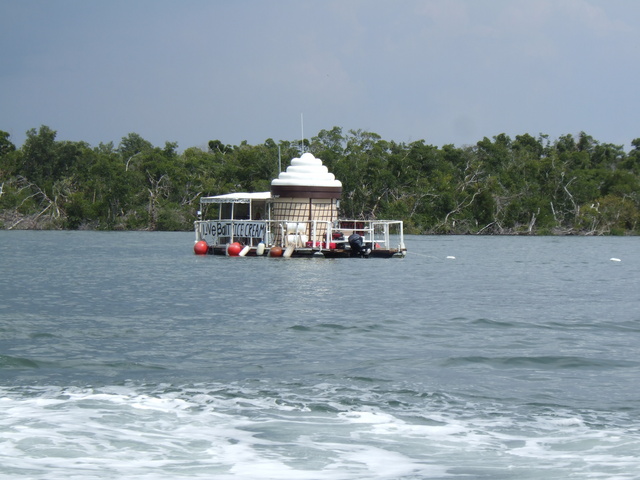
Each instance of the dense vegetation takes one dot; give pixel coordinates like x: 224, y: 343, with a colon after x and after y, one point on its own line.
x: 526, y: 185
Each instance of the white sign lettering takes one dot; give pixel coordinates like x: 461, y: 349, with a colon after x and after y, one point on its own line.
x: 212, y: 230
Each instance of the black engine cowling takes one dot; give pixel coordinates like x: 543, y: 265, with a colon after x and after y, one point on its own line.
x: 358, y: 247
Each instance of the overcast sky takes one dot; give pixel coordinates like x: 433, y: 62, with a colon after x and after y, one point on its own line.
x: 446, y: 71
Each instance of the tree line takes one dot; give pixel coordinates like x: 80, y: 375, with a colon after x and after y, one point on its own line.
x: 523, y: 185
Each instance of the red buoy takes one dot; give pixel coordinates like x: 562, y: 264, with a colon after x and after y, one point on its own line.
x: 201, y: 248
x: 275, y: 252
x: 234, y: 249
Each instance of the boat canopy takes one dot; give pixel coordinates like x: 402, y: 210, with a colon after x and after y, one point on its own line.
x: 239, y: 197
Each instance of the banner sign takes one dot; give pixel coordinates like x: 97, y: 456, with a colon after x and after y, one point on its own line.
x: 212, y: 230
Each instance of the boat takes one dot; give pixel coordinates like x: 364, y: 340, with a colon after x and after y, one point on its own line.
x: 298, y: 217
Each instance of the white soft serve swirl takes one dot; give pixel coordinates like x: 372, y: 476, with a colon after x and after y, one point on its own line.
x: 307, y: 171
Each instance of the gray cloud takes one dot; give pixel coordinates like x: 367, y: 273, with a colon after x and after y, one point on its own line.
x: 196, y: 70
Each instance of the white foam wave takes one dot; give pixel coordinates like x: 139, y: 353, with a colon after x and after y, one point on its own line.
x: 324, y: 432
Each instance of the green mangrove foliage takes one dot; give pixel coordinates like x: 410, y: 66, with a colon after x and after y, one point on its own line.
x: 503, y: 185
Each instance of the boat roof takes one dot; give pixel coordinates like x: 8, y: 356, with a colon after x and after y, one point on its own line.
x: 238, y: 197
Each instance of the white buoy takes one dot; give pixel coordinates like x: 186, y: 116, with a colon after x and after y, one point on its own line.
x: 260, y: 249
x: 613, y: 259
x: 244, y: 251
x: 289, y: 251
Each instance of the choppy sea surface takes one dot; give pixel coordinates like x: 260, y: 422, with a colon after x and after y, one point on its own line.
x: 124, y: 355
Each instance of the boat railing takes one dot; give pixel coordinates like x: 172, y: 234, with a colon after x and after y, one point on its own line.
x: 385, y: 234
x: 313, y: 234
x: 318, y: 235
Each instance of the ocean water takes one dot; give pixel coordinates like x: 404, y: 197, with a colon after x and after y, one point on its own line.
x: 124, y: 355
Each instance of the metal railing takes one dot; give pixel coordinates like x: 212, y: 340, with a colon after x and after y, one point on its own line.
x: 313, y: 234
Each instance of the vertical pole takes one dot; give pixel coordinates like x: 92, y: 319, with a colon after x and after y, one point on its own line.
x: 311, y: 216
x: 302, y: 131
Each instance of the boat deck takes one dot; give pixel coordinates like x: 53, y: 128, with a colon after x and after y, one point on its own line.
x: 339, y: 239
x: 316, y: 252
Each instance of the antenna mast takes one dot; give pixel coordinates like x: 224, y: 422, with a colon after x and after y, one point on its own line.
x: 302, y: 132
x: 279, y: 160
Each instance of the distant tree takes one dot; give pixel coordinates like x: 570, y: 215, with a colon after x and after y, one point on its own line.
x: 39, y: 154
x: 131, y: 145
x: 527, y: 184
x: 6, y: 146
x: 216, y: 146
x: 328, y: 145
x: 632, y: 161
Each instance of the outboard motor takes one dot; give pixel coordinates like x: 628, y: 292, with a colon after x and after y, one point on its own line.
x: 358, y: 247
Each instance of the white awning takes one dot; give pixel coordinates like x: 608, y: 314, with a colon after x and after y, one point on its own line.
x: 239, y: 197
